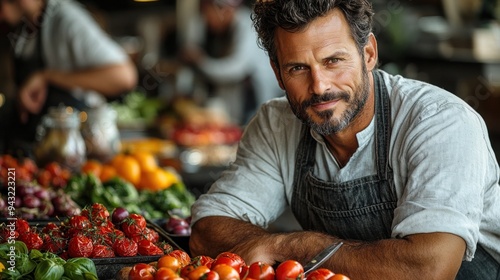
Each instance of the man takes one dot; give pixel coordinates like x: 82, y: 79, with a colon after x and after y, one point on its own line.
x: 401, y: 171
x: 221, y: 47
x: 60, y: 55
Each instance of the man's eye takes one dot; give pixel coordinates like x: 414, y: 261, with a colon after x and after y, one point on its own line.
x: 333, y: 60
x: 296, y: 69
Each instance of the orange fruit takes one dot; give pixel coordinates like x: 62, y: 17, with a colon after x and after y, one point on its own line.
x: 157, y: 179
x: 92, y: 166
x: 147, y: 161
x: 127, y: 167
x: 116, y: 160
x: 107, y: 172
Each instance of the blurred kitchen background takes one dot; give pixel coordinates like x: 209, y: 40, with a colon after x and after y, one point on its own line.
x: 454, y: 44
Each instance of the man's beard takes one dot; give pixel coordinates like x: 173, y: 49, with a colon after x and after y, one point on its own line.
x: 327, y: 125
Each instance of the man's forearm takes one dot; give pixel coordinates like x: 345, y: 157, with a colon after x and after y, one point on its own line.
x: 108, y: 80
x: 422, y: 256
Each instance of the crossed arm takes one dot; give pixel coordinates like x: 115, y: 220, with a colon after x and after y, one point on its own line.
x: 419, y: 256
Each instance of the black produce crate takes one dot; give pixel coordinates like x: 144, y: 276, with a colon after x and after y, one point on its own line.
x: 107, y: 268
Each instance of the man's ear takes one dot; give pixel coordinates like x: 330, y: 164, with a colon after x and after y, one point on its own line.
x: 371, y: 52
x: 277, y: 73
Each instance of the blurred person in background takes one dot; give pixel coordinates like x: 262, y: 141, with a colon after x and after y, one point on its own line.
x: 60, y: 56
x: 221, y: 46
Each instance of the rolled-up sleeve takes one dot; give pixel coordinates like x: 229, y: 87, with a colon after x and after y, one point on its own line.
x: 447, y: 160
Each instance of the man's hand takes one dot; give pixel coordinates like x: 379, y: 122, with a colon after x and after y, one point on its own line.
x: 32, y: 95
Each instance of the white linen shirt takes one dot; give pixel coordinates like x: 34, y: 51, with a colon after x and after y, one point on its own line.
x: 445, y: 172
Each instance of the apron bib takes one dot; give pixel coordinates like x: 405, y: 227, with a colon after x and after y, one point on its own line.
x: 358, y: 209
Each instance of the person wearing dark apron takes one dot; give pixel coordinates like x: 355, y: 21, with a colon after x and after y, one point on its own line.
x: 363, y: 208
x: 22, y: 135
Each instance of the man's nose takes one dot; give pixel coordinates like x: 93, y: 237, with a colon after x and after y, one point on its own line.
x: 320, y: 82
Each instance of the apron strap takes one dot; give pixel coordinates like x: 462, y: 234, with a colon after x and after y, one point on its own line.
x: 383, y: 127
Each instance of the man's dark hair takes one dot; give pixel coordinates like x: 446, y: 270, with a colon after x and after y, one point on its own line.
x: 295, y: 15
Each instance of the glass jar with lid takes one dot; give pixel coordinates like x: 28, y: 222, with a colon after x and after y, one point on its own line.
x: 59, y: 138
x: 100, y: 132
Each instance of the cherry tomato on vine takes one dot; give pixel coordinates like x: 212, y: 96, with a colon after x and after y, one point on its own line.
x: 80, y: 246
x: 125, y: 247
x: 133, y: 225
x: 22, y: 226
x: 79, y: 222
x: 148, y: 248
x: 289, y: 270
x: 142, y: 271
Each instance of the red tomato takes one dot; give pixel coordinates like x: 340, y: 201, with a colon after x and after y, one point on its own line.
x: 226, y: 272
x: 151, y: 235
x: 103, y: 234
x: 133, y: 225
x: 79, y: 222
x: 102, y: 251
x: 6, y: 233
x: 147, y: 248
x: 54, y: 242
x: 50, y: 228
x: 261, y: 271
x: 125, y: 247
x: 339, y: 276
x: 244, y: 272
x: 198, y: 273
x: 185, y: 270
x: 289, y: 270
x: 80, y: 246
x: 211, y: 275
x: 165, y: 246
x: 231, y: 259
x: 182, y: 256
x: 142, y: 271
x: 97, y: 213
x: 31, y: 239
x: 22, y: 226
x: 320, y: 274
x: 165, y: 273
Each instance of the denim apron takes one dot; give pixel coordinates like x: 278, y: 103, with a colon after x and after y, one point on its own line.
x: 363, y: 208
x: 358, y: 209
